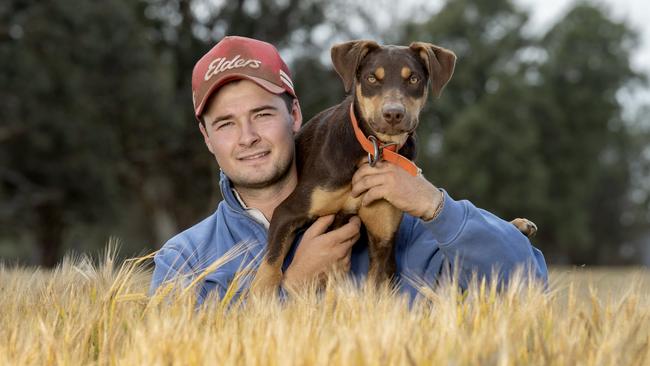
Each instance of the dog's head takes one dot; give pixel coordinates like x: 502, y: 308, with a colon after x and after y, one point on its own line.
x: 391, y: 82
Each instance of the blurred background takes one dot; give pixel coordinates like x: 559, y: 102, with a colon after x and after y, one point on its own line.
x: 547, y: 116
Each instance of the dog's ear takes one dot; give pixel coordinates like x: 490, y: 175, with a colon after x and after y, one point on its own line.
x: 346, y: 58
x: 440, y: 63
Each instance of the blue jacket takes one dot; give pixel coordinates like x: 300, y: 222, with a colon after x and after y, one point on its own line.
x: 474, y: 239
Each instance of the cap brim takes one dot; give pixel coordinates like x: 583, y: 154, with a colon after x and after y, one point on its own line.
x: 270, y: 87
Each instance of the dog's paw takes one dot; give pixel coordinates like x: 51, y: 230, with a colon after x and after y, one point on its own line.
x: 526, y: 226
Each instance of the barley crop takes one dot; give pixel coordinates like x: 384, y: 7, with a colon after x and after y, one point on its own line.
x: 99, y: 314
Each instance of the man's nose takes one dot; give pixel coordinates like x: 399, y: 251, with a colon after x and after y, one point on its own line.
x: 249, y: 135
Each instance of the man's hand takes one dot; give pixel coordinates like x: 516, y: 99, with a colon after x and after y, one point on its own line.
x: 413, y: 195
x: 320, y: 252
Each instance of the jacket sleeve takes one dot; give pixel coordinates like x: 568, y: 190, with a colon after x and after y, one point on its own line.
x: 174, y: 266
x: 467, y: 240
x: 169, y: 265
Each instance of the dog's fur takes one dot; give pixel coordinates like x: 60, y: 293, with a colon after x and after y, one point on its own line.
x: 389, y: 86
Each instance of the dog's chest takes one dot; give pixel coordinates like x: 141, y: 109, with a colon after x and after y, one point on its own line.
x: 326, y: 202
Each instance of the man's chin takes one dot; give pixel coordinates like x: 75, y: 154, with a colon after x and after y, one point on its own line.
x: 261, y: 176
x: 259, y: 181
x: 252, y: 183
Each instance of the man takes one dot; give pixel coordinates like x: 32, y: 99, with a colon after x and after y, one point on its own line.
x: 248, y: 115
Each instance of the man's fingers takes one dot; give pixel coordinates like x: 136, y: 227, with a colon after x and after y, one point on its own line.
x: 345, y: 263
x: 373, y: 195
x: 319, y: 226
x: 352, y: 227
x: 355, y: 220
x: 344, y: 249
x: 366, y: 183
x: 346, y: 231
x: 347, y: 245
x: 365, y: 171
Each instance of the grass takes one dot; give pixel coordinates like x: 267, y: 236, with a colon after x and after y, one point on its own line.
x: 85, y: 314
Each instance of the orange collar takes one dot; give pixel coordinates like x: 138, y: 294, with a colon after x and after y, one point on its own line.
x: 387, y: 152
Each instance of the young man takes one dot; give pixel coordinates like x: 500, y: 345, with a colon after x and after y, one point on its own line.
x: 248, y: 114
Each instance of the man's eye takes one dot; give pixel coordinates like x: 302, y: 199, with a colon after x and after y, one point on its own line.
x: 223, y: 125
x: 414, y: 79
x: 371, y: 79
x: 263, y: 114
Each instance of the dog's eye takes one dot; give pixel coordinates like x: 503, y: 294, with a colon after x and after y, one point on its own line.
x: 414, y: 79
x: 371, y: 79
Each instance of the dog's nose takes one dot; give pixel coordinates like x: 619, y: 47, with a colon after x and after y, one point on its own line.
x: 393, y: 113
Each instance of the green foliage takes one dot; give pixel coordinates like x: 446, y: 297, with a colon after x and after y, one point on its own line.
x: 588, y: 62
x: 491, y: 154
x: 68, y: 93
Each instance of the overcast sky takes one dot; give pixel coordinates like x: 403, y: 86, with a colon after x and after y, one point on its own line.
x: 635, y: 13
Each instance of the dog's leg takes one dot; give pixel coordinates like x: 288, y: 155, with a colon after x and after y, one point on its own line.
x: 382, y: 222
x: 526, y: 226
x: 281, y: 235
x: 382, y: 266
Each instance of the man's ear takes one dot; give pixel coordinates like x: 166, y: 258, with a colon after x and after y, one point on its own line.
x: 296, y: 115
x: 346, y: 58
x: 206, y: 138
x: 440, y: 63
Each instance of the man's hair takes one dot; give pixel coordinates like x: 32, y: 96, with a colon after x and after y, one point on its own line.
x: 286, y: 97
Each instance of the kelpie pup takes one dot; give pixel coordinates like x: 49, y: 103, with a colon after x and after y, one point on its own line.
x: 389, y: 87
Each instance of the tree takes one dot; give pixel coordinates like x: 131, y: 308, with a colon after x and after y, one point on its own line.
x: 584, y: 138
x: 73, y: 75
x: 539, y: 136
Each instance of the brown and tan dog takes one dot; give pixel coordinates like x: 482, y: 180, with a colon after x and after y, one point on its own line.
x: 390, y: 86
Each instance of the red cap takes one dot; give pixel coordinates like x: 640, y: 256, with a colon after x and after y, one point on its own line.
x: 236, y: 58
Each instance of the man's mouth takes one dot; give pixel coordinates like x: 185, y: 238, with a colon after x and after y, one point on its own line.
x: 254, y: 156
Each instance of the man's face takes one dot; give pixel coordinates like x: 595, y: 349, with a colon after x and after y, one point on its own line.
x: 250, y: 132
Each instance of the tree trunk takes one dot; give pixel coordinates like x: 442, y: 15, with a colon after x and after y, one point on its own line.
x: 49, y: 234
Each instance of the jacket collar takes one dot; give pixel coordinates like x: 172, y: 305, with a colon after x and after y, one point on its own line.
x: 227, y: 194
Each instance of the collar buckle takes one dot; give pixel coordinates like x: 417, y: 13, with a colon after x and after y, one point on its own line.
x: 378, y: 148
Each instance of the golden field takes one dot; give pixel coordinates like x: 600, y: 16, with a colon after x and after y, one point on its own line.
x: 86, y: 314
